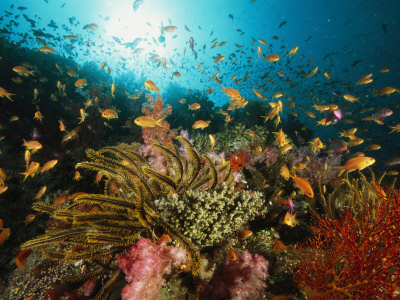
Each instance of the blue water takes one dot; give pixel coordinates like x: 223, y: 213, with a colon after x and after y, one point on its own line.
x: 346, y: 38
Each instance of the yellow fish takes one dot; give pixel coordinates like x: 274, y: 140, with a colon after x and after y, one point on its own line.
x: 200, y: 124
x: 148, y: 122
x: 356, y: 163
x: 151, y: 86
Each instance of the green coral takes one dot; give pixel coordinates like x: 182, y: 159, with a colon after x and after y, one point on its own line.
x: 208, y: 218
x: 236, y: 138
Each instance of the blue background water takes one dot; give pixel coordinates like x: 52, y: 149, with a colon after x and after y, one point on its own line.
x: 339, y: 34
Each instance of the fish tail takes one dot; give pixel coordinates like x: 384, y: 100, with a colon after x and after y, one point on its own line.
x: 158, y: 122
x: 341, y: 170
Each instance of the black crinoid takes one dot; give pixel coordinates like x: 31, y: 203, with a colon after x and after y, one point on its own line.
x: 99, y: 227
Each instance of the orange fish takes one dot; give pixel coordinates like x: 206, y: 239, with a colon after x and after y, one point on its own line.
x: 356, y: 163
x: 47, y: 49
x: 29, y: 218
x: 194, y: 106
x: 4, y: 93
x: 3, y: 188
x: 231, y: 256
x: 109, y: 114
x: 200, y: 124
x: 304, y: 186
x: 60, y: 200
x: 80, y: 83
x: 4, y: 235
x: 244, y: 234
x: 20, y: 260
x: 290, y: 220
x: 272, y: 58
x: 285, y: 173
x: 148, y: 122
x: 31, y: 170
x: 32, y: 145
x: 350, y: 98
x: 258, y: 94
x: 77, y: 176
x: 40, y: 193
x: 48, y: 165
x: 62, y: 126
x: 313, y: 72
x: 21, y: 70
x: 38, y: 116
x: 151, y: 86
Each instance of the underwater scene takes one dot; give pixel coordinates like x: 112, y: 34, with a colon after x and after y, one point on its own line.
x: 215, y: 149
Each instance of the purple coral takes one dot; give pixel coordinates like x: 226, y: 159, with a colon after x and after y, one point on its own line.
x: 318, y: 164
x: 154, y: 156
x: 241, y: 279
x: 267, y: 157
x: 145, y: 264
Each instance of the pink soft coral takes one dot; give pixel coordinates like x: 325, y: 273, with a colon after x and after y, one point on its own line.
x: 145, y: 264
x: 241, y: 279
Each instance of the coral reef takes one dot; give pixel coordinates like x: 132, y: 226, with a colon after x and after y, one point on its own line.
x: 318, y: 165
x: 145, y: 264
x: 208, y: 218
x: 236, y: 138
x: 241, y: 278
x: 238, y: 159
x: 155, y: 108
x: 99, y: 227
x: 364, y: 261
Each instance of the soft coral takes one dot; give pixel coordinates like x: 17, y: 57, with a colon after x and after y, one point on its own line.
x: 145, y: 264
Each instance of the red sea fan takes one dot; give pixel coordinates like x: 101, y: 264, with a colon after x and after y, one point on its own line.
x: 354, y: 258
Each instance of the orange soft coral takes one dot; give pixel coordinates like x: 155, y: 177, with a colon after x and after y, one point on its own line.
x: 238, y: 159
x: 155, y: 108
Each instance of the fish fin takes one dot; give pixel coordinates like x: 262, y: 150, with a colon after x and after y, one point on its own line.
x: 341, y: 170
x: 158, y: 122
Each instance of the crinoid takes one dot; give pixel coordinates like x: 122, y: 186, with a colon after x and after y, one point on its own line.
x: 99, y: 227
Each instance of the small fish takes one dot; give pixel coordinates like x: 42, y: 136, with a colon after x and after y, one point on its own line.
x: 48, y: 165
x: 350, y: 98
x: 32, y: 145
x: 21, y: 258
x: 244, y: 234
x: 290, y: 220
x: 80, y: 83
x: 304, y: 186
x: 258, y: 94
x: 194, y: 106
x: 151, y: 86
x: 31, y: 170
x: 282, y: 23
x: 356, y: 163
x: 200, y: 124
x: 285, y: 173
x: 212, y: 141
x: 82, y: 116
x: 47, y: 49
x: 40, y: 193
x: 77, y: 176
x: 4, y: 93
x: 109, y: 114
x: 61, y: 126
x: 312, y: 72
x: 272, y: 58
x: 4, y: 235
x: 148, y: 122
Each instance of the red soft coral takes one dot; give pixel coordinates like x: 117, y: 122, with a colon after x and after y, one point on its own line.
x: 145, y: 264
